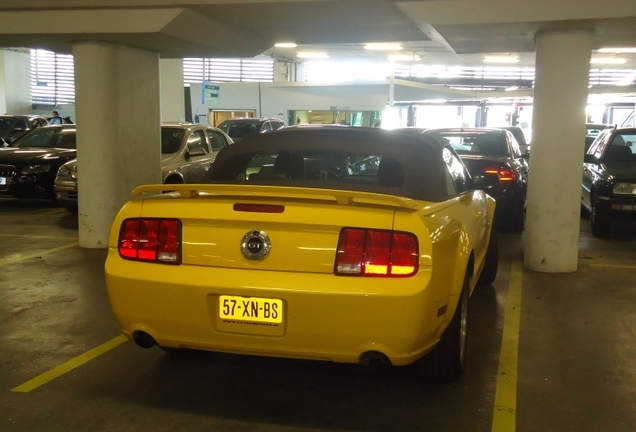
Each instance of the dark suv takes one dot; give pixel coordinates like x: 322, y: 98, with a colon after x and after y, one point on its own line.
x: 13, y: 127
x: 238, y: 128
x: 609, y: 179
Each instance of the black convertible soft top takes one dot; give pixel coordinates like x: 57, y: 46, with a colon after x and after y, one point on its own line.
x: 418, y: 161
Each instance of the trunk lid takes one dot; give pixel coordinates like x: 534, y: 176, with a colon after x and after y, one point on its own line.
x: 302, y: 229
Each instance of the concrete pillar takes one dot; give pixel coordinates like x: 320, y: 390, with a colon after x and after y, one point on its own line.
x: 172, y: 94
x: 118, y: 131
x: 3, y: 85
x: 556, y: 160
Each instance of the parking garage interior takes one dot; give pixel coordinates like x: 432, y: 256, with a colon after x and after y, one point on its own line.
x: 551, y: 341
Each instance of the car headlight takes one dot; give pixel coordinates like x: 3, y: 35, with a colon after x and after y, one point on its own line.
x: 625, y: 188
x: 36, y: 169
x: 64, y: 172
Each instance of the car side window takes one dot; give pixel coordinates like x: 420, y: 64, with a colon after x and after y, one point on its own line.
x: 514, y: 145
x: 216, y: 140
x: 266, y: 127
x: 456, y: 178
x: 197, y: 141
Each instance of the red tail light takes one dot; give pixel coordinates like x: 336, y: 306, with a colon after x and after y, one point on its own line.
x: 152, y: 240
x: 366, y: 252
x: 505, y: 174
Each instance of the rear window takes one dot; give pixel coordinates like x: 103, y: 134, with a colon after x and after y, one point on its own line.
x: 478, y: 144
x: 241, y: 129
x: 312, y: 168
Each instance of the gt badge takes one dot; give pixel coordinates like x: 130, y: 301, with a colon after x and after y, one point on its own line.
x: 255, y: 245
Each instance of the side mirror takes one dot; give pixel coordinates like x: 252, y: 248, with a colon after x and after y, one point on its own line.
x: 196, y: 152
x: 589, y: 158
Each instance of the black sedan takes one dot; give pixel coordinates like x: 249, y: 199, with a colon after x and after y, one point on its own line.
x: 28, y: 167
x: 496, y: 152
x: 609, y: 179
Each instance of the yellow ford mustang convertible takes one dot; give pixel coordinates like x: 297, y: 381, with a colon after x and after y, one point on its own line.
x: 344, y: 244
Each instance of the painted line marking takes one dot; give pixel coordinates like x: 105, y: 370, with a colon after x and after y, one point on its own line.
x: 505, y: 410
x: 37, y: 236
x: 36, y: 254
x: 69, y: 365
x: 45, y: 212
x: 614, y: 266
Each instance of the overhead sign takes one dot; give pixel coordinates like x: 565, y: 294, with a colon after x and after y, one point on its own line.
x: 210, y: 93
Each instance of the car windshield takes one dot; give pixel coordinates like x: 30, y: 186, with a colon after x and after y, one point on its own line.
x: 48, y: 138
x: 171, y: 139
x: 477, y: 144
x: 5, y: 122
x: 240, y: 129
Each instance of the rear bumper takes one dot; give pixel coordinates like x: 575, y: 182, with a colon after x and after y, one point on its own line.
x: 325, y: 317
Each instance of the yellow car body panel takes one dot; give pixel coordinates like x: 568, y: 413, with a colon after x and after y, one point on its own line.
x: 324, y: 316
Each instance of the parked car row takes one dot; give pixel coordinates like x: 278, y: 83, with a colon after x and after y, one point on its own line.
x: 187, y: 152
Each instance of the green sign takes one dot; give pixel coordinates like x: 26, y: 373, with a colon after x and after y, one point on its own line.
x: 210, y: 93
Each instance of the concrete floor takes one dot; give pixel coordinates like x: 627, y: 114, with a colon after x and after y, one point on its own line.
x: 576, y: 354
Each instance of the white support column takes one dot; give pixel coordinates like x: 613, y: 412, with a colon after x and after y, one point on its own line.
x: 118, y: 131
x: 556, y: 161
x: 3, y: 85
x: 172, y: 93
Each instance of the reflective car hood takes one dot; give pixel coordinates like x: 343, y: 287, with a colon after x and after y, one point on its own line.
x: 621, y: 171
x: 31, y: 155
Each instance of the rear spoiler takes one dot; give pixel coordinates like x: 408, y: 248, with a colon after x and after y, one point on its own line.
x: 342, y: 197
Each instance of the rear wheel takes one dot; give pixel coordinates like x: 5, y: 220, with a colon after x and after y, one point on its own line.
x: 600, y: 220
x: 491, y: 265
x: 445, y: 363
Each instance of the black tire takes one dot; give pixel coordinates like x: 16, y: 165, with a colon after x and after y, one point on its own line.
x: 445, y: 363
x: 517, y: 223
x: 491, y: 265
x: 173, y: 179
x: 600, y: 220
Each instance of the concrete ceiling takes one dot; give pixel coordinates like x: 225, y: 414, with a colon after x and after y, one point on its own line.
x: 450, y: 32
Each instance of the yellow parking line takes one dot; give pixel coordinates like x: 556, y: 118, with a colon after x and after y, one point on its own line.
x: 69, y: 365
x: 505, y: 411
x: 37, y: 236
x: 45, y: 212
x: 614, y: 266
x: 35, y: 254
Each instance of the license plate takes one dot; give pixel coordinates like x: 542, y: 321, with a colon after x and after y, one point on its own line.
x: 3, y: 181
x: 251, y: 309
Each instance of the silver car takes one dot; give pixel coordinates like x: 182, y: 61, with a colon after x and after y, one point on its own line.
x: 187, y: 151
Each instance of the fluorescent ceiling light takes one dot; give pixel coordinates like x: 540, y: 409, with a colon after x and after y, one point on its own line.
x: 285, y: 45
x: 312, y: 55
x: 501, y: 59
x: 608, y: 60
x: 512, y: 88
x: 404, y: 57
x: 618, y: 50
x: 383, y: 47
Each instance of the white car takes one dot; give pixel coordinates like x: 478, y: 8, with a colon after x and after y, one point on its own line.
x: 187, y: 152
